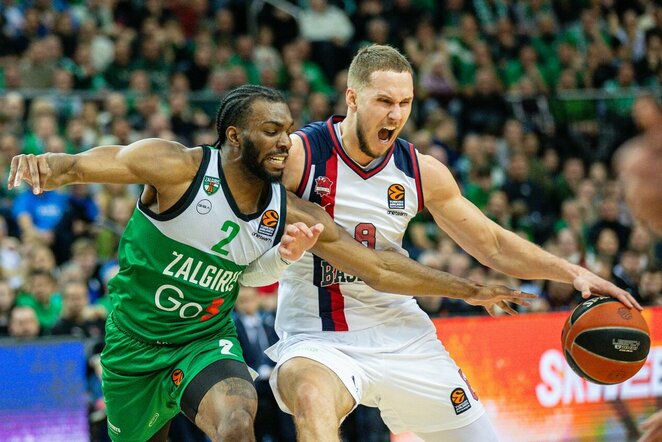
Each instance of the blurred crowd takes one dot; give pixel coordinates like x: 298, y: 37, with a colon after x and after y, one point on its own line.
x: 526, y: 101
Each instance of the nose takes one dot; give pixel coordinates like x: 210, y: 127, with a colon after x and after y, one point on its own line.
x: 284, y: 141
x: 395, y: 113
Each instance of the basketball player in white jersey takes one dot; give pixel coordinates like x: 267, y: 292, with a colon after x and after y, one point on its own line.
x: 343, y: 343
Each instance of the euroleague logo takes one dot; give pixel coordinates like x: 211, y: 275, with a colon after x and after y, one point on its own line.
x: 268, y: 223
x: 460, y: 401
x: 396, y: 196
x: 177, y: 377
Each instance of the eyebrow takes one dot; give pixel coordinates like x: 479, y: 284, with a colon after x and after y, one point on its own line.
x: 388, y: 97
x: 279, y: 123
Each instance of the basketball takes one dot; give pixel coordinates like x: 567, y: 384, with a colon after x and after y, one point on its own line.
x: 605, y: 342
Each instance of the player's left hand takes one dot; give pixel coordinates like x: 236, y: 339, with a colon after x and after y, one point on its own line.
x: 590, y: 284
x: 499, y: 296
x: 298, y: 238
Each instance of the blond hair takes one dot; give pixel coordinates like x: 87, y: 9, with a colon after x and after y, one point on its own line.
x: 375, y: 58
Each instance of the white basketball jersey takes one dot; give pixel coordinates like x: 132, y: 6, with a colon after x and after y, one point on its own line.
x: 374, y: 207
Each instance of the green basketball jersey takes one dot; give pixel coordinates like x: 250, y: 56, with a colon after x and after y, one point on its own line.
x: 179, y: 269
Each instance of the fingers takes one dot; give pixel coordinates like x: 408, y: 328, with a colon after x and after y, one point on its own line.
x: 33, y: 169
x: 519, y: 301
x: 298, y: 229
x: 518, y: 294
x: 317, y: 229
x: 13, y: 172
x: 507, y: 308
x: 25, y: 168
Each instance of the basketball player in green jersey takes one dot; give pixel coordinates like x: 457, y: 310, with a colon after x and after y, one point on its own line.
x: 208, y: 220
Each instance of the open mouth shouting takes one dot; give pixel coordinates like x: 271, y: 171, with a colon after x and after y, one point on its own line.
x: 386, y: 135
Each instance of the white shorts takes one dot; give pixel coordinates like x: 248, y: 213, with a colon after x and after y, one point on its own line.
x: 417, y: 386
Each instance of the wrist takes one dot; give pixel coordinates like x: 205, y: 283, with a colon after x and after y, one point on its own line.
x: 285, y: 261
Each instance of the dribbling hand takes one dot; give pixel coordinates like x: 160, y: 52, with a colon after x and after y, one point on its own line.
x: 592, y: 285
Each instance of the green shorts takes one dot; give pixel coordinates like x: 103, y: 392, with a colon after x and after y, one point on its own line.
x: 143, y: 383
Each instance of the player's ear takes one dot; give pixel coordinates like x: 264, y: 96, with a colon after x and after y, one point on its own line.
x: 350, y: 98
x: 232, y: 136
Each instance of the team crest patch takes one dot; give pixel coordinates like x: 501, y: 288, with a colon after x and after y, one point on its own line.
x: 396, y: 196
x: 211, y: 184
x: 323, y: 186
x: 460, y: 401
x: 177, y: 377
x: 268, y: 223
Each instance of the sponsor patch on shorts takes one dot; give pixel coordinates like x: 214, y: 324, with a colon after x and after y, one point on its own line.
x: 460, y: 401
x: 177, y: 377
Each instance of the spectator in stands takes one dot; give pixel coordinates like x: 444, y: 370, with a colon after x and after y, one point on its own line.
x: 486, y: 110
x: 650, y: 287
x: 41, y: 296
x: 627, y: 272
x: 521, y: 189
x: 23, y: 323
x: 7, y: 300
x: 85, y: 255
x: 608, y: 218
x: 78, y: 318
x: 118, y: 73
x: 37, y: 216
x: 329, y: 29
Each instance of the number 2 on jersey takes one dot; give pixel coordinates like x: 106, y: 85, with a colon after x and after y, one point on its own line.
x: 232, y: 230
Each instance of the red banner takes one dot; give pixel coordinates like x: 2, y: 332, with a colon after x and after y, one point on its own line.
x: 516, y: 366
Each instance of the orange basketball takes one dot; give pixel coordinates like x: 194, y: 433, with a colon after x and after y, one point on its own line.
x: 605, y: 342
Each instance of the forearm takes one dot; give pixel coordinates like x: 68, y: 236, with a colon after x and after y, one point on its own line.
x: 399, y: 274
x: 393, y: 272
x: 95, y: 165
x: 524, y: 260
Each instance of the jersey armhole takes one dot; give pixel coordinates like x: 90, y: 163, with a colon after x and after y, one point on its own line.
x: 283, y: 214
x: 417, y: 177
x: 185, y: 199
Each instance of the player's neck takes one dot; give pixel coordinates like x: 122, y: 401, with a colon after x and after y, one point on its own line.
x: 248, y: 191
x: 350, y: 141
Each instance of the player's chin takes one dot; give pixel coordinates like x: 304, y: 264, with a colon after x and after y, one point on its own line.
x: 273, y: 176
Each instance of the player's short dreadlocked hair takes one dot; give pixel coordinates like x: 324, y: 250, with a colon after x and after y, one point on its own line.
x: 235, y: 104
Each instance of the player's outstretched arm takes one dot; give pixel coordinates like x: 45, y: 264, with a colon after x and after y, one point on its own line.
x: 150, y: 161
x: 393, y: 272
x: 497, y: 247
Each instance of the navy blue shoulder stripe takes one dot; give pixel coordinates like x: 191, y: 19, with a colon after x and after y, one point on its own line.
x: 405, y: 158
x: 318, y: 147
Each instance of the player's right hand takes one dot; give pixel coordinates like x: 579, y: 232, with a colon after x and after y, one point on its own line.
x: 33, y: 169
x: 298, y: 238
x: 500, y: 296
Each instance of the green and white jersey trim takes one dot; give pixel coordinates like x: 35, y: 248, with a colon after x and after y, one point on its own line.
x: 179, y: 269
